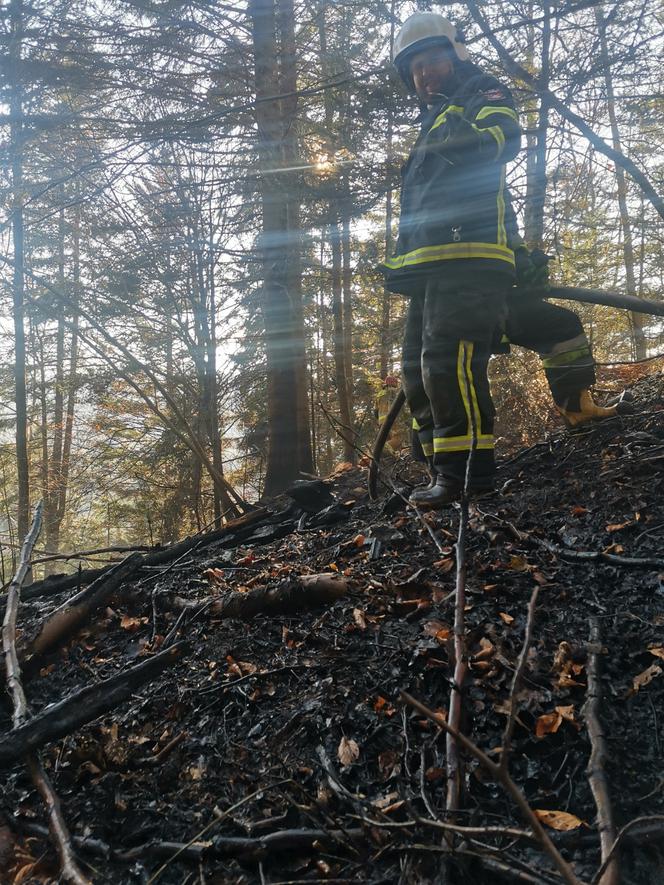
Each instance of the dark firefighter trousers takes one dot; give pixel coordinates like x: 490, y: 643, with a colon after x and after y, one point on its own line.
x: 451, y: 331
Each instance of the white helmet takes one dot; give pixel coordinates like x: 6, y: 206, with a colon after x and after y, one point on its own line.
x: 421, y: 30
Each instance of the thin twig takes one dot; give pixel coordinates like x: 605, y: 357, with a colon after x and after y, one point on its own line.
x: 454, y: 773
x: 502, y: 777
x: 12, y: 666
x: 460, y: 664
x: 596, y: 771
x: 624, y: 832
x: 58, y: 828
x: 516, y: 682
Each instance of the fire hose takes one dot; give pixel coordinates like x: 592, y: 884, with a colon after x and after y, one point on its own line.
x: 568, y: 293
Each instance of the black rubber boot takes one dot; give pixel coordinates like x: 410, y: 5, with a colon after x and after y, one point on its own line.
x: 431, y: 470
x: 443, y: 493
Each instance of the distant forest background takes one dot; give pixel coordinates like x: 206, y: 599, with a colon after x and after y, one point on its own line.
x: 194, y: 199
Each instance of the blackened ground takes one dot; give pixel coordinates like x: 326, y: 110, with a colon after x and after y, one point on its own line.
x: 295, y: 720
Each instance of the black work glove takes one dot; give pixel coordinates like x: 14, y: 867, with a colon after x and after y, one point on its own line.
x: 532, y: 270
x: 462, y: 140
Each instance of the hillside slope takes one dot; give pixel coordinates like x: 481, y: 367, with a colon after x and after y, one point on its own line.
x: 290, y: 724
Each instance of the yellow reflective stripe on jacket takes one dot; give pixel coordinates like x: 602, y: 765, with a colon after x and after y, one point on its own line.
x: 427, y: 448
x: 416, y: 424
x: 446, y: 251
x: 497, y: 133
x: 440, y: 119
x: 489, y: 109
x: 502, y: 232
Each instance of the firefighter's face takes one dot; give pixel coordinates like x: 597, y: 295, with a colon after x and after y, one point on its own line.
x: 431, y: 70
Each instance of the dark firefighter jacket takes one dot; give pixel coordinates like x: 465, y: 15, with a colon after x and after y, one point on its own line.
x: 453, y: 191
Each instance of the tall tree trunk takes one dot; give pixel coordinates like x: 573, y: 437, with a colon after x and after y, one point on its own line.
x: 347, y: 287
x: 51, y: 489
x: 341, y: 303
x: 72, y: 382
x: 281, y: 333
x: 16, y: 137
x: 291, y: 153
x: 346, y: 429
x: 385, y: 353
x: 220, y: 497
x: 639, y: 344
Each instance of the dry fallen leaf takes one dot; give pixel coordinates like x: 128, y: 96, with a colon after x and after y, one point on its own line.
x: 359, y: 618
x: 389, y: 763
x: 131, y: 624
x: 487, y: 650
x: 657, y: 650
x: 385, y: 802
x: 240, y: 668
x: 558, y: 820
x: 436, y: 629
x: 549, y: 723
x: 214, y: 575
x: 646, y: 677
x: 382, y: 705
x: 505, y: 617
x: 518, y: 564
x: 348, y: 751
x: 617, y: 526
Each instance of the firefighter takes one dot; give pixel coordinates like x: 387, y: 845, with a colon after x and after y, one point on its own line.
x: 455, y: 259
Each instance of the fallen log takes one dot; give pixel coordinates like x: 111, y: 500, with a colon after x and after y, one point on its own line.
x: 287, y: 597
x: 70, y: 617
x: 159, y: 556
x: 246, y: 848
x: 608, y: 299
x: 77, y: 709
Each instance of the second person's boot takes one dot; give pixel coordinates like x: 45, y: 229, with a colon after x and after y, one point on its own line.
x: 585, y: 409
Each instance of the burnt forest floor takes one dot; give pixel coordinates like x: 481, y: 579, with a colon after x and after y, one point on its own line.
x: 292, y: 722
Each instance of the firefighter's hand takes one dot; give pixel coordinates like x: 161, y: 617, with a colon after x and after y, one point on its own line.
x: 532, y: 270
x: 462, y: 139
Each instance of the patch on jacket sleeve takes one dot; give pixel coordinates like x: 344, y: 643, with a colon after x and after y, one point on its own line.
x: 494, y: 94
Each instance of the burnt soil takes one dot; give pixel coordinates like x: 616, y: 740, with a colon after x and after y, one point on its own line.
x: 295, y: 718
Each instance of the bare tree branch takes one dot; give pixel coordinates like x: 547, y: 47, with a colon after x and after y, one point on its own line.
x: 520, y: 73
